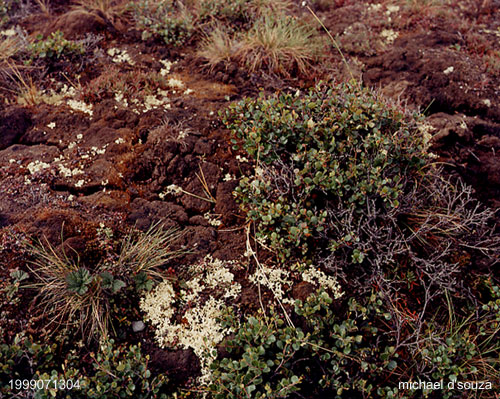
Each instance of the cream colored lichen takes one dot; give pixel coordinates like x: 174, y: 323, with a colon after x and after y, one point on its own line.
x: 389, y: 35
x: 68, y: 172
x: 448, y: 70
x: 37, y: 166
x: 157, y: 305
x: 212, y: 220
x: 229, y: 177
x: 318, y: 278
x: 120, y: 56
x: 241, y: 159
x: 274, y: 279
x: 8, y: 32
x: 158, y: 100
x: 80, y: 106
x: 392, y: 8
x: 173, y: 189
x: 200, y: 330
x: 375, y: 7
x: 167, y: 66
x: 176, y: 83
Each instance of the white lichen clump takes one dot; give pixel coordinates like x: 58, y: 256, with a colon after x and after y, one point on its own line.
x: 318, y: 278
x: 241, y: 159
x: 212, y: 221
x: 8, y: 32
x: 154, y: 101
x: 448, y: 70
x: 374, y: 7
x: 274, y: 280
x: 167, y: 66
x: 68, y: 172
x: 200, y: 330
x: 173, y: 189
x: 37, y: 166
x: 120, y: 56
x: 211, y: 274
x: 229, y: 177
x: 389, y: 35
x: 175, y: 83
x: 80, y: 106
x: 392, y: 9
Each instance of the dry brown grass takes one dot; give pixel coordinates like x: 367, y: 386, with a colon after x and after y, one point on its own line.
x: 9, y: 47
x: 62, y: 306
x: 109, y: 11
x: 27, y: 91
x: 218, y: 47
x: 279, y: 45
x: 44, y: 6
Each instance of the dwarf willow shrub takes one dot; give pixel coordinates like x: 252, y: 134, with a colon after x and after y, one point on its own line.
x: 332, y: 145
x: 56, y: 46
x: 3, y: 12
x: 328, y: 356
x: 117, y: 371
x: 164, y: 19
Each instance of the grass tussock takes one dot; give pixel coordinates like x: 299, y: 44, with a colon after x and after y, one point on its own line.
x: 62, y: 303
x: 72, y: 293
x: 218, y: 47
x: 108, y: 11
x: 44, y: 6
x: 9, y: 47
x: 280, y: 45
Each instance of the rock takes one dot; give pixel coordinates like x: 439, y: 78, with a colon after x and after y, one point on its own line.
x: 226, y: 204
x: 14, y: 122
x: 203, y: 146
x: 27, y: 154
x: 53, y: 225
x: 179, y: 365
x: 144, y: 213
x: 138, y: 326
x: 211, y: 174
x: 75, y: 23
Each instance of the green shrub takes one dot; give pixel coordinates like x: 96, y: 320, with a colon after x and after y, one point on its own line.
x: 493, y: 305
x: 116, y: 372
x: 352, y: 353
x: 328, y: 356
x: 331, y: 146
x: 22, y: 358
x: 454, y: 348
x: 238, y: 10
x: 361, y: 354
x: 55, y: 47
x: 162, y: 18
x: 3, y: 12
x: 261, y: 347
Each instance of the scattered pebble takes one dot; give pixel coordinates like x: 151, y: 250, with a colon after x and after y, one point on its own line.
x: 138, y: 326
x: 448, y: 70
